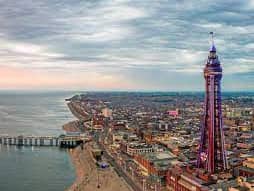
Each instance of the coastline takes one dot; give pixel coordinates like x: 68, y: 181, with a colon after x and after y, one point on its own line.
x: 72, y: 126
x: 79, y: 168
x: 88, y: 176
x: 75, y: 153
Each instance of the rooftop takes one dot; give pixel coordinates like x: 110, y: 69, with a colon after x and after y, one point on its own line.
x: 159, y: 156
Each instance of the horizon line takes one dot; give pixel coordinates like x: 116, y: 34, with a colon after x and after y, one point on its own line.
x: 119, y: 90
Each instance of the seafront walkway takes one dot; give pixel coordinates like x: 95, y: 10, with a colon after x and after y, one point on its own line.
x: 90, y: 177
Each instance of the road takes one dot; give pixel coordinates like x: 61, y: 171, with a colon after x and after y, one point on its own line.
x: 113, y: 163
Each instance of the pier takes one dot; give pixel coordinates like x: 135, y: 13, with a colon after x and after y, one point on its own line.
x: 63, y: 141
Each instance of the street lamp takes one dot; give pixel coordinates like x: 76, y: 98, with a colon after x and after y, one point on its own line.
x: 132, y: 173
x: 159, y: 181
x: 125, y: 166
x: 144, y: 187
x: 98, y: 179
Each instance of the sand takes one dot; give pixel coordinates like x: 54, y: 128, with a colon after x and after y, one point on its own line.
x: 90, y: 178
x: 72, y: 126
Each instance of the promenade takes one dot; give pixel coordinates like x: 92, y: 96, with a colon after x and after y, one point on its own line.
x: 89, y: 177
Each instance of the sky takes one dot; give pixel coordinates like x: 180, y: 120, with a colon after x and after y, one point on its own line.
x: 158, y: 45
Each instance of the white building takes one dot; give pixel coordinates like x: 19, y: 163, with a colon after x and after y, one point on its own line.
x: 106, y: 112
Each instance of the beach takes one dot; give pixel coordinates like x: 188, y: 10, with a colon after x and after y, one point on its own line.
x: 89, y: 177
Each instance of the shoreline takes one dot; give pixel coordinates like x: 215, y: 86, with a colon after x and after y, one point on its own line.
x: 79, y: 172
x: 75, y: 156
x: 83, y: 165
x: 72, y: 126
x: 88, y: 176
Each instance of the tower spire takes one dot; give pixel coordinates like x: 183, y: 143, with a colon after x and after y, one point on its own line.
x: 211, y: 34
x: 212, y: 48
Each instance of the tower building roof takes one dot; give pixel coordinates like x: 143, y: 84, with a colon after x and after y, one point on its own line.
x: 212, y: 48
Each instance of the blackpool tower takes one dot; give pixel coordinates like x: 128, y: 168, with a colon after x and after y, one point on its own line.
x: 212, y: 154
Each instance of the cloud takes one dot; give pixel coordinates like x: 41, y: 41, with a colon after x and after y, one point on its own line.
x: 126, y: 42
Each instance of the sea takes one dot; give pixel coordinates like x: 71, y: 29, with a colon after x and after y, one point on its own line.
x: 34, y: 168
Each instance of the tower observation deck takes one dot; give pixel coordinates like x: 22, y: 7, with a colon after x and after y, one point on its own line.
x: 212, y: 154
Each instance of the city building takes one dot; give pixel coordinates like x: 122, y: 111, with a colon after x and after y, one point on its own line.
x: 137, y: 148
x: 173, y: 113
x: 243, y: 184
x: 156, y: 163
x: 98, y: 122
x: 106, y: 112
x: 179, y: 179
